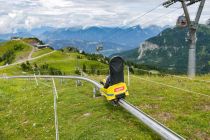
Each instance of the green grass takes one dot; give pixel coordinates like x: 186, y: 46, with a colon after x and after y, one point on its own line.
x: 20, y: 110
x: 19, y: 55
x: 26, y: 110
x: 66, y: 62
x: 28, y: 114
x: 186, y: 113
x: 41, y: 52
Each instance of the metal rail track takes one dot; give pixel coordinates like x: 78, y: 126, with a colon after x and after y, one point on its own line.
x: 57, y: 77
x: 154, y: 125
x: 157, y: 127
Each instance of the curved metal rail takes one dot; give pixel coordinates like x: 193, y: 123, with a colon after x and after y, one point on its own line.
x: 59, y: 77
x: 157, y: 127
x: 154, y: 125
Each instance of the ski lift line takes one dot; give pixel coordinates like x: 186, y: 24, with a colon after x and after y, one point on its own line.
x: 170, y: 86
x: 132, y: 21
x: 149, y: 11
x: 138, y: 18
x: 174, y: 10
x: 157, y: 127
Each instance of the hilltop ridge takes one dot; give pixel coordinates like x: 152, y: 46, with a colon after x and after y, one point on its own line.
x: 19, y: 49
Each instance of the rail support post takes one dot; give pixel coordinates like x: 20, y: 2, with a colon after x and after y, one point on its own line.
x: 94, y: 92
x: 37, y: 84
x: 55, y: 109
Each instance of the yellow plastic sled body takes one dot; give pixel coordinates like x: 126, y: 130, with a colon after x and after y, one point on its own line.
x: 115, y: 92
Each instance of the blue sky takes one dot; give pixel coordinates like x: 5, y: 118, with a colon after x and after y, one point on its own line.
x: 83, y: 13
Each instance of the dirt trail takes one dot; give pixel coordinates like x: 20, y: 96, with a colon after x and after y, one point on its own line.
x: 1, y: 67
x: 31, y: 53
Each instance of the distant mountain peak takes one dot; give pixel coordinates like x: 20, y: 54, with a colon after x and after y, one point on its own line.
x: 153, y: 26
x: 113, y: 38
x: 137, y: 27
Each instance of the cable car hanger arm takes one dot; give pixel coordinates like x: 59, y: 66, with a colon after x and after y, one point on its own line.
x: 200, y: 9
x: 171, y: 2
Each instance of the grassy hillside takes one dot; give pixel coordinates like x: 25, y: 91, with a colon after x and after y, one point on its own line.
x: 13, y: 51
x: 32, y: 40
x: 66, y: 63
x: 41, y: 52
x: 28, y: 114
x: 21, y: 49
x: 26, y: 110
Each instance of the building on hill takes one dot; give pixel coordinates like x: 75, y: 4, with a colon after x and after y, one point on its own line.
x: 33, y: 43
x: 81, y: 51
x: 33, y: 40
x: 40, y: 46
x: 15, y: 38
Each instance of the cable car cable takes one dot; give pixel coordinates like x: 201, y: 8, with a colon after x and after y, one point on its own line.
x: 132, y: 21
x: 143, y: 16
x: 174, y: 10
x: 145, y: 13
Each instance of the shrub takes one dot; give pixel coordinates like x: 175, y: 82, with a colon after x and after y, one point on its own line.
x: 8, y: 57
x: 26, y: 67
x: 18, y: 47
x: 77, y: 72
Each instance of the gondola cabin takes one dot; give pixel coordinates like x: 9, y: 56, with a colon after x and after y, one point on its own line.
x: 114, y: 87
x: 208, y: 22
x: 181, y: 22
x: 99, y: 47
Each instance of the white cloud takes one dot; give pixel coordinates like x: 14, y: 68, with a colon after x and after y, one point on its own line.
x: 67, y: 13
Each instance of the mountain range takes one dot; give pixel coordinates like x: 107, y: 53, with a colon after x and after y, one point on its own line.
x: 113, y: 39
x: 169, y: 50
